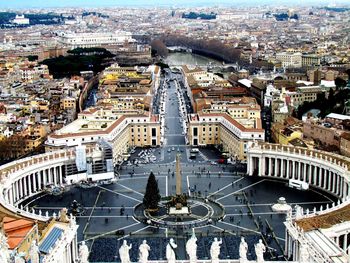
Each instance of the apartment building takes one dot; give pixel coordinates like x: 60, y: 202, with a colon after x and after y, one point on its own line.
x: 289, y: 59
x: 222, y: 129
x: 120, y: 129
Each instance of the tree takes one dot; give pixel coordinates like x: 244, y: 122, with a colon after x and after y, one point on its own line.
x: 159, y: 48
x: 152, y: 196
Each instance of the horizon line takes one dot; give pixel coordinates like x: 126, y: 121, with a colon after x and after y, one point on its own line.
x: 180, y: 5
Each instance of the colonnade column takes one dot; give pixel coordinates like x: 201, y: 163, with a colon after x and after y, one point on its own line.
x: 312, y: 175
x: 270, y: 166
x: 40, y: 173
x: 15, y: 190
x: 54, y: 176
x: 276, y: 167
x: 345, y: 185
x: 250, y: 166
x: 282, y: 167
x: 316, y: 176
x: 34, y: 182
x: 330, y: 176
x: 25, y: 186
x: 44, y: 177
x: 345, y: 244
x: 59, y: 176
x: 261, y: 166
x: 29, y: 182
x: 333, y: 182
x: 11, y: 195
x: 340, y: 187
x: 293, y: 169
x: 20, y: 188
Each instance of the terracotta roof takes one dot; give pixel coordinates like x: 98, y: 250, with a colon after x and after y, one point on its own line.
x: 16, y: 230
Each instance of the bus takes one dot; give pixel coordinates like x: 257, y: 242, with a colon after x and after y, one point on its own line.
x: 300, y: 185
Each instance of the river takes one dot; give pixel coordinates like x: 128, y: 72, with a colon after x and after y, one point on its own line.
x: 182, y: 58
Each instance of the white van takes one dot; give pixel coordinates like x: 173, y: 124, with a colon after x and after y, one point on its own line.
x: 194, y: 150
x: 300, y: 185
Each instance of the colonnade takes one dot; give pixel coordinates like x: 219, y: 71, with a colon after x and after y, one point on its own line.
x: 279, y: 163
x: 31, y: 183
x: 326, y: 171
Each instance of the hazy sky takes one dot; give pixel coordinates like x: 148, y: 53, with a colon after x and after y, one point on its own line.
x: 101, y: 3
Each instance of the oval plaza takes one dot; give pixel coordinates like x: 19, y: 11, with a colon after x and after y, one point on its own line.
x: 325, y: 238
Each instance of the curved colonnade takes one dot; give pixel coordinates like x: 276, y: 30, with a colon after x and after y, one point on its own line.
x: 326, y: 171
x: 24, y: 178
x: 325, y: 240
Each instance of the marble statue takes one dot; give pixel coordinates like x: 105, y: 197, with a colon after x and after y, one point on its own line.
x: 34, y: 252
x: 19, y: 257
x: 144, y: 252
x: 4, y: 248
x: 259, y: 251
x: 191, y: 248
x: 243, y: 249
x: 63, y: 215
x: 124, y: 252
x: 304, y: 254
x: 170, y: 253
x: 83, y: 253
x: 215, y: 250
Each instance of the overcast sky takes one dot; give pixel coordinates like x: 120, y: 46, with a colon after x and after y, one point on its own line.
x: 101, y: 3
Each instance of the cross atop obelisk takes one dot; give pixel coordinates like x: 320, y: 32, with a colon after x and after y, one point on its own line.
x: 178, y: 175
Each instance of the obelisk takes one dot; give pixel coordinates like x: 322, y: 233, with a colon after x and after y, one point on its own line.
x: 178, y: 176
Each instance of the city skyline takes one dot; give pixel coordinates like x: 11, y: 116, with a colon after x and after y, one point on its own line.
x: 175, y: 131
x: 21, y: 4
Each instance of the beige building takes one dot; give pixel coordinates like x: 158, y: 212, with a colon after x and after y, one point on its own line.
x: 244, y: 110
x: 222, y: 129
x: 310, y: 60
x: 345, y: 144
x: 289, y: 59
x: 325, y: 136
x: 120, y: 129
x: 68, y: 103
